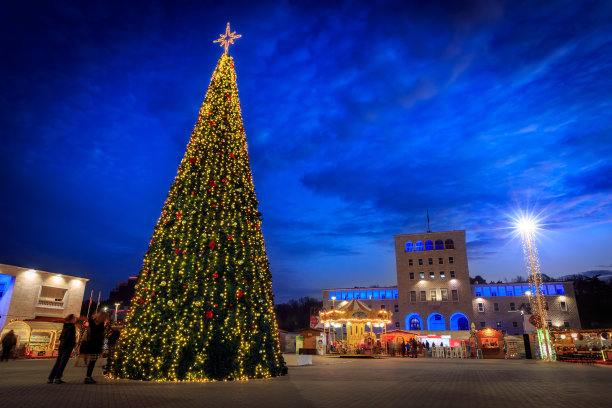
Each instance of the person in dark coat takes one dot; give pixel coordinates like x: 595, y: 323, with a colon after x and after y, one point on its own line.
x: 8, y: 342
x: 403, y: 348
x: 93, y: 346
x: 67, y: 341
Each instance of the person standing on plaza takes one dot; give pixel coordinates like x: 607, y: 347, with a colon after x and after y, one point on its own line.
x: 93, y: 346
x: 414, y: 348
x: 67, y: 341
x: 8, y: 342
x: 403, y: 348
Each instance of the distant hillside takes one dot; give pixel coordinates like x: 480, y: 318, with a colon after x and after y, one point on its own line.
x: 604, y: 274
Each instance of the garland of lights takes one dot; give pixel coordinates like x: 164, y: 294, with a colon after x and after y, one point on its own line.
x: 203, y: 308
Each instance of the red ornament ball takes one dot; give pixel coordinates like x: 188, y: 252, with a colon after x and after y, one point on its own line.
x: 240, y: 294
x: 212, y: 245
x: 192, y: 160
x: 215, y: 275
x: 141, y: 301
x: 209, y: 314
x: 177, y: 251
x: 212, y: 183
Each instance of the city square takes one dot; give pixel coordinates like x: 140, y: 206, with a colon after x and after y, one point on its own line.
x: 332, y: 382
x: 430, y: 224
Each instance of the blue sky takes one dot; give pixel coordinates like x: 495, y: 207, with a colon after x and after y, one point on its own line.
x: 360, y: 116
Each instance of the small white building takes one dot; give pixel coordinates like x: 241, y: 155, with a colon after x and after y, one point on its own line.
x: 27, y: 294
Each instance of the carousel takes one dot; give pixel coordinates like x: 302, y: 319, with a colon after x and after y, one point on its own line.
x: 358, y: 325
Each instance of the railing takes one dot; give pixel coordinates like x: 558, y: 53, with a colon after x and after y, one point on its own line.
x: 51, y: 303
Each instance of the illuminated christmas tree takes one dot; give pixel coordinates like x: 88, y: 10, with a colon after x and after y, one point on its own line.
x: 203, y: 308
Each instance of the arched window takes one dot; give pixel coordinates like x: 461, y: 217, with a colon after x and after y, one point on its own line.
x: 428, y: 245
x: 439, y: 244
x: 450, y: 244
x: 435, y: 321
x: 418, y: 246
x: 414, y: 322
x: 459, y: 321
x: 409, y: 246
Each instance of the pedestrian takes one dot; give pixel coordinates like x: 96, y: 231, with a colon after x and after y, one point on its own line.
x: 403, y: 348
x: 67, y: 341
x: 408, y: 348
x: 427, y: 344
x: 8, y: 342
x: 413, y: 347
x: 93, y: 346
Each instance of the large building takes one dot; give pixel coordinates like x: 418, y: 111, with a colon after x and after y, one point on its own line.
x: 434, y: 292
x: 27, y: 294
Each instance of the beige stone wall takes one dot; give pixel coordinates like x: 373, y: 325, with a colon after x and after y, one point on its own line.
x: 26, y: 302
x: 460, y: 282
x: 507, y: 317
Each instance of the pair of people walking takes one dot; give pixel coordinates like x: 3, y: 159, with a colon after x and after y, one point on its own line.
x: 91, y: 347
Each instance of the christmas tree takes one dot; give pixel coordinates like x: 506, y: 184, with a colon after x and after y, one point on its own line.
x: 203, y: 308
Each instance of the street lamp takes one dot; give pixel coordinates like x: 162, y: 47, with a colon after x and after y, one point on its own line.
x: 116, y: 310
x: 527, y: 226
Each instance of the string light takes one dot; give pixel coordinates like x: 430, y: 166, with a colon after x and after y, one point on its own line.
x: 203, y: 308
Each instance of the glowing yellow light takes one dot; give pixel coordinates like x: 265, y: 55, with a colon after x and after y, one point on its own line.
x: 228, y: 38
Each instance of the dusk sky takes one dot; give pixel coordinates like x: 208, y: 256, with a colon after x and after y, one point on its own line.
x: 360, y: 117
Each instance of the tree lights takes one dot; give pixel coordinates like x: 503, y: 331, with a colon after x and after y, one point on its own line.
x: 203, y: 308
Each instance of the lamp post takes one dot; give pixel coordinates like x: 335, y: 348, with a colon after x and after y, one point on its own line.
x: 116, y: 310
x: 527, y: 227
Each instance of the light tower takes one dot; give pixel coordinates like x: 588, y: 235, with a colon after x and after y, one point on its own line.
x: 528, y: 226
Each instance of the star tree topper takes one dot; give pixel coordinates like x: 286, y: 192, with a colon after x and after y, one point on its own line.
x: 228, y: 38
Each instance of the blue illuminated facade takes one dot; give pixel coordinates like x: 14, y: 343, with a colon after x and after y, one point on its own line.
x: 549, y: 289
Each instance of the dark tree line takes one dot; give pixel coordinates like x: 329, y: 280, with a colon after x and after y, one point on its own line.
x: 594, y: 299
x: 295, y: 314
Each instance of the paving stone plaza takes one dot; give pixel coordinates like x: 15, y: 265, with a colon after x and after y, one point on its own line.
x: 329, y: 382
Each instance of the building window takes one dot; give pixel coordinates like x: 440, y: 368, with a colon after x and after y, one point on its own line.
x: 410, y: 262
x: 396, y: 324
x: 455, y: 295
x: 429, y: 245
x: 2, y: 289
x: 451, y: 260
x: 440, y: 261
x: 509, y: 291
x: 566, y: 324
x: 413, y: 295
x: 423, y: 296
x: 498, y: 324
x: 483, y: 324
x: 563, y: 306
x: 422, y: 275
x: 493, y: 290
x: 411, y: 275
x: 369, y: 294
x: 452, y: 274
x: 432, y: 275
x: 395, y: 293
x: 432, y: 295
x: 52, y: 297
x: 418, y: 246
x: 496, y: 307
x: 431, y: 261
x: 450, y: 244
x: 480, y: 307
x: 420, y: 262
x: 409, y: 246
x: 396, y: 308
x: 439, y: 244
x: 382, y: 307
x: 514, y: 324
x: 442, y: 275
x: 444, y: 295
x: 512, y: 306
